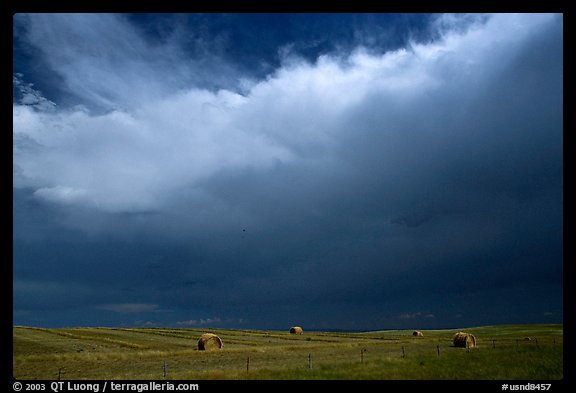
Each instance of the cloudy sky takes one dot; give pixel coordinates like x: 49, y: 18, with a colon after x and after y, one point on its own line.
x: 334, y: 171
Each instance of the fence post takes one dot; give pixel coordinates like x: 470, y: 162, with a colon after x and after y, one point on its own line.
x: 165, y: 370
x: 438, y: 348
x: 247, y: 363
x: 403, y: 353
x: 493, y: 344
x: 310, y: 361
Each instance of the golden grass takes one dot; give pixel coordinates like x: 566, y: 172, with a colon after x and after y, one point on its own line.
x: 95, y: 353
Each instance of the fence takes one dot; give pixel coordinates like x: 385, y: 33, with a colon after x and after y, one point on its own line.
x: 361, y: 354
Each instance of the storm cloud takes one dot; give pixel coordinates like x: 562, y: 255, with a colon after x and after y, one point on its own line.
x: 365, y: 186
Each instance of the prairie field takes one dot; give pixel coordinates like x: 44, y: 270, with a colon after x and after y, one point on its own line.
x: 507, y: 352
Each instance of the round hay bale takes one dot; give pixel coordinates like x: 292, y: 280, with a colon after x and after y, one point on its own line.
x: 296, y: 330
x: 209, y: 341
x: 464, y: 340
x: 418, y: 333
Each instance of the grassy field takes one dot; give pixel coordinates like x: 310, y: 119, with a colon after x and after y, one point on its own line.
x: 526, y: 352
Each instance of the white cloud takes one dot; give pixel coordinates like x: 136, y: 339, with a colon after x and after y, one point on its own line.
x: 416, y: 315
x: 30, y: 96
x: 162, y: 139
x: 129, y: 161
x: 200, y: 322
x: 61, y: 194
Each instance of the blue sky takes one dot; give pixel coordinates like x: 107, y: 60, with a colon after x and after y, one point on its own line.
x: 335, y: 171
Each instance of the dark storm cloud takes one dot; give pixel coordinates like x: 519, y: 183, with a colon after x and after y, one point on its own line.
x: 358, y: 188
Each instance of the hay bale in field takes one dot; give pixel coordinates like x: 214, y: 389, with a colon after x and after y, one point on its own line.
x: 418, y: 333
x: 296, y: 330
x: 464, y: 340
x: 209, y: 341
